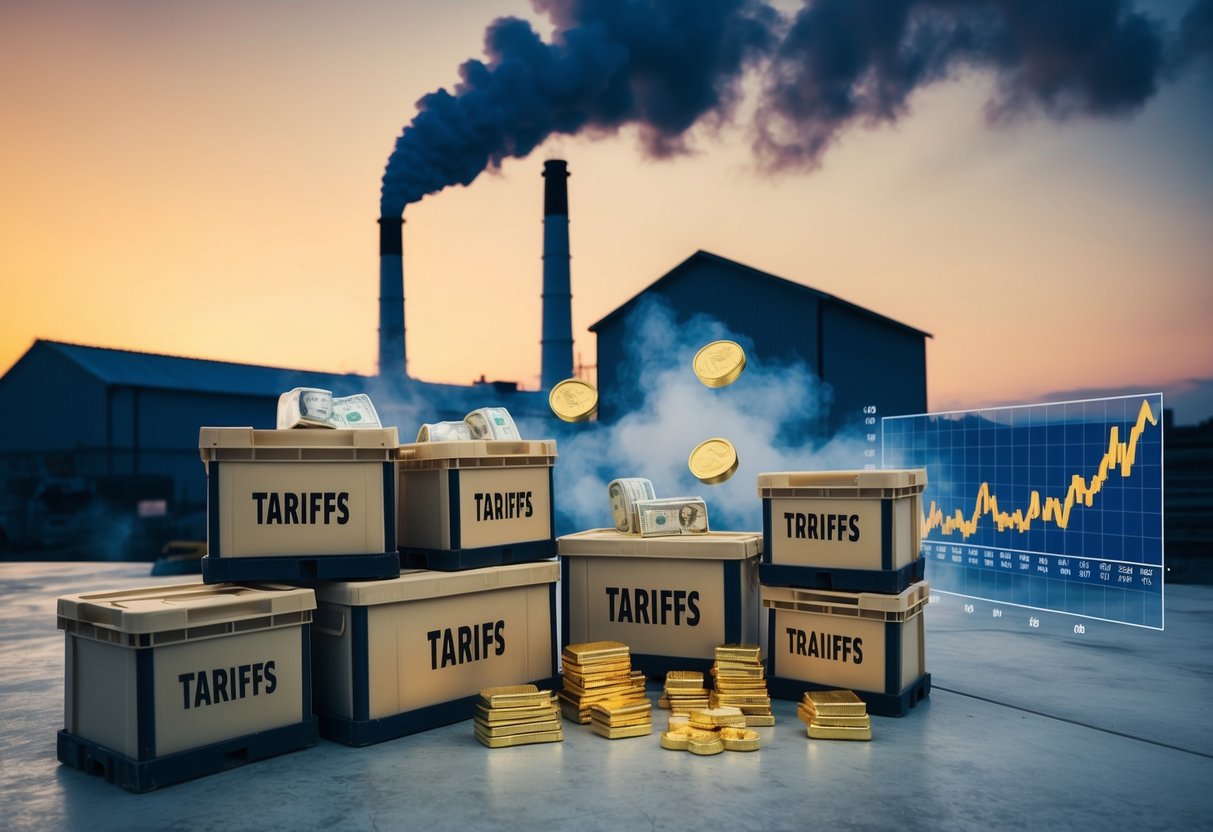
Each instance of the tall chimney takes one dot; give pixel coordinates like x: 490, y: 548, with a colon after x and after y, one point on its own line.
x: 393, y: 359
x: 557, y: 340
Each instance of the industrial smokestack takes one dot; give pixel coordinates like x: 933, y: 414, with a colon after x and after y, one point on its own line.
x: 393, y: 359
x: 557, y: 341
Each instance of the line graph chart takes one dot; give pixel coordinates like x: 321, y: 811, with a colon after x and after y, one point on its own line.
x: 1054, y: 506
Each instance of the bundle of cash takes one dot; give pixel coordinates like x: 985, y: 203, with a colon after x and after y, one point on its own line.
x: 516, y: 715
x: 616, y: 719
x: 596, y: 672
x: 835, y: 715
x: 740, y: 682
x: 492, y: 423
x: 672, y: 516
x: 311, y: 407
x: 684, y: 692
x: 624, y: 494
x: 444, y: 432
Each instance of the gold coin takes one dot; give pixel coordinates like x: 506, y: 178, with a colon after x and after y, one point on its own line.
x: 719, y: 363
x: 713, y: 461
x: 573, y: 400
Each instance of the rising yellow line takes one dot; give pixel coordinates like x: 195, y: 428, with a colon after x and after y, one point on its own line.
x: 1056, y: 511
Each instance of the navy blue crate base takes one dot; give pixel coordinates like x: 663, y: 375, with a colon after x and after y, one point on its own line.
x: 456, y: 560
x: 879, y: 704
x: 890, y: 581
x: 300, y: 568
x: 163, y: 771
x: 360, y: 732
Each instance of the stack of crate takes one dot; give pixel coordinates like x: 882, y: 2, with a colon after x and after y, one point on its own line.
x: 167, y: 683
x: 474, y: 606
x: 397, y: 651
x: 842, y: 585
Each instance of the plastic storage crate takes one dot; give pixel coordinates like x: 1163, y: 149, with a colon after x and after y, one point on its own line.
x: 851, y: 530
x: 672, y: 600
x: 468, y: 504
x: 412, y: 653
x: 169, y: 683
x: 291, y: 505
x: 863, y: 641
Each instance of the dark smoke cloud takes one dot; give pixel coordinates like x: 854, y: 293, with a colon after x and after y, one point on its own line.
x: 1196, y: 31
x: 666, y: 66
x: 661, y: 65
x: 847, y: 62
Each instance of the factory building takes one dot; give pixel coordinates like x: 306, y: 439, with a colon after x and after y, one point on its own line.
x: 865, y: 358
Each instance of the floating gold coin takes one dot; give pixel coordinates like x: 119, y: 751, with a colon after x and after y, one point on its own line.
x: 713, y: 461
x: 719, y: 363
x: 573, y: 400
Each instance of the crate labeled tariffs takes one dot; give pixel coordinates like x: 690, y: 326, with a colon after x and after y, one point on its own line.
x: 851, y: 530
x: 472, y: 503
x: 868, y: 642
x: 672, y: 600
x: 291, y: 505
x: 404, y: 655
x: 169, y: 683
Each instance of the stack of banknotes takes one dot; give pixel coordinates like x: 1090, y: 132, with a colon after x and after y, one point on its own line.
x: 708, y: 731
x: 482, y: 423
x: 516, y: 715
x: 597, y: 672
x: 740, y: 682
x: 684, y: 692
x: 311, y: 407
x: 636, y: 509
x: 835, y: 715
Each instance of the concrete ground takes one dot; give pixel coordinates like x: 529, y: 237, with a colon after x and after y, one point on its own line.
x: 1027, y: 727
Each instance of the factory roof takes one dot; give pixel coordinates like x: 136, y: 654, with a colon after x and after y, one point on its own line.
x: 152, y: 371
x: 749, y: 272
x: 128, y: 368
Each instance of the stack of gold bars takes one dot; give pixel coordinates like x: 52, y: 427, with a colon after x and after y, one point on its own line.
x: 741, y: 683
x: 710, y: 731
x: 596, y: 672
x: 516, y: 715
x: 835, y: 715
x: 684, y: 692
x: 616, y: 719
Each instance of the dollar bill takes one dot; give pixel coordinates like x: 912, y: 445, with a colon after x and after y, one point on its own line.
x: 444, y: 432
x: 492, y: 423
x: 312, y: 407
x: 356, y: 411
x: 672, y: 516
x: 624, y: 494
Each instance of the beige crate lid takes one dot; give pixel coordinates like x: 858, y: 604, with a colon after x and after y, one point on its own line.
x: 314, y: 445
x: 158, y: 609
x: 872, y: 605
x: 710, y: 546
x: 872, y: 484
x: 477, y: 453
x: 419, y: 584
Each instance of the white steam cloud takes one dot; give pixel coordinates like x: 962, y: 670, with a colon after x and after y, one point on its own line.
x: 769, y: 414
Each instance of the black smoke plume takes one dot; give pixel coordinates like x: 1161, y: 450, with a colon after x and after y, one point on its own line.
x: 666, y: 66
x: 661, y: 65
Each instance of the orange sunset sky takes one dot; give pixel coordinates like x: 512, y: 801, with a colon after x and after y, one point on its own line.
x: 202, y: 179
